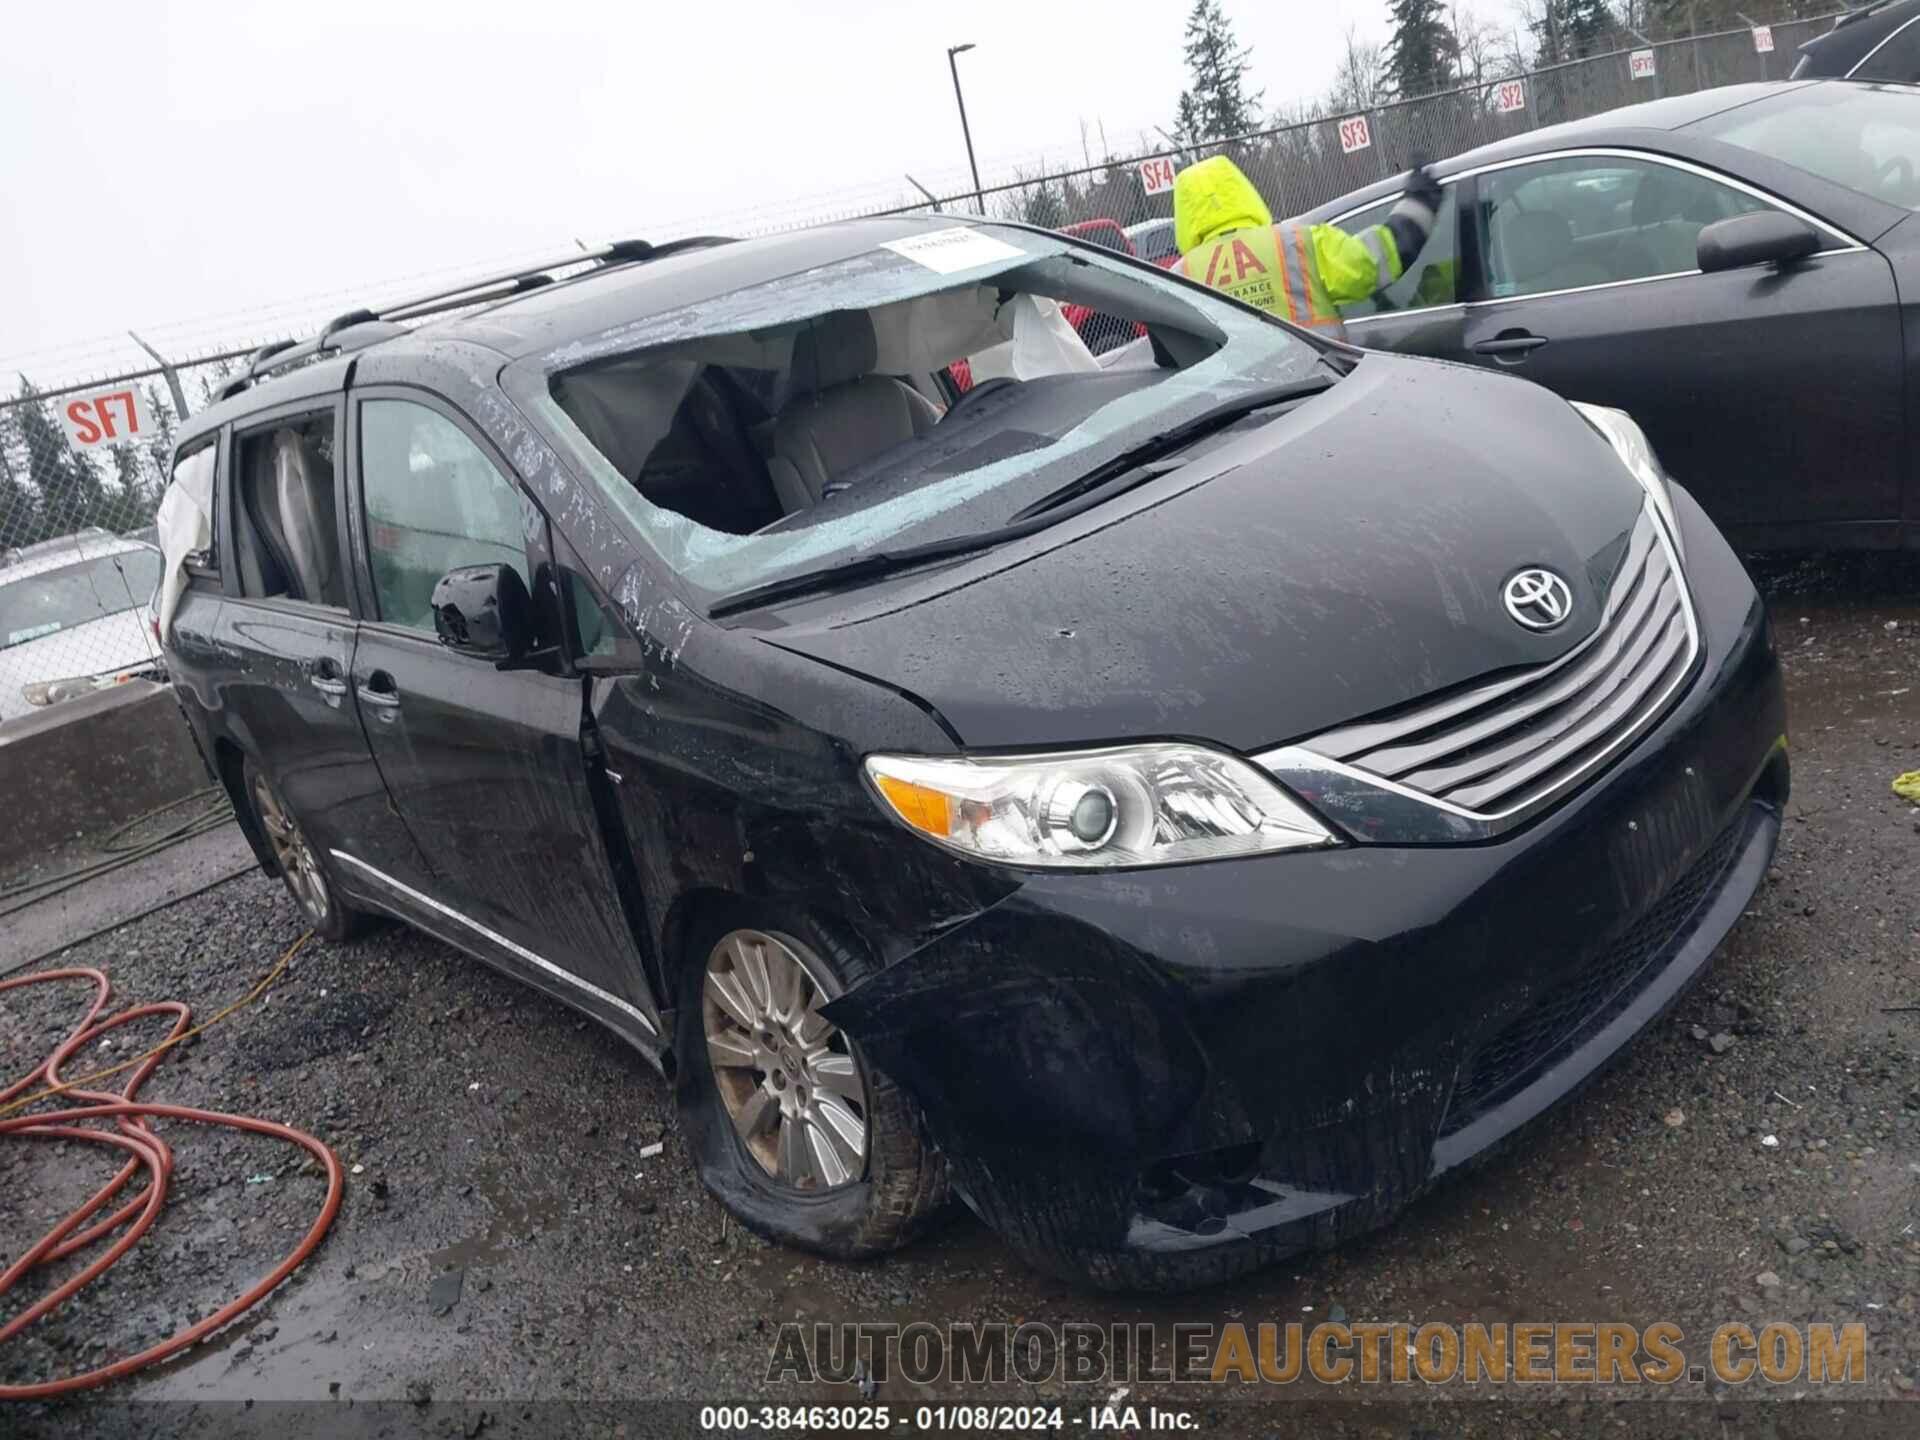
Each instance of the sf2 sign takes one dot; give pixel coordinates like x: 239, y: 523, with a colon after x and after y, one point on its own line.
x: 1156, y: 175
x: 1509, y: 96
x: 112, y: 417
x: 1355, y: 134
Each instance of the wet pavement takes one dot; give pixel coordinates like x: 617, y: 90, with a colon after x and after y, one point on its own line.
x: 504, y: 1235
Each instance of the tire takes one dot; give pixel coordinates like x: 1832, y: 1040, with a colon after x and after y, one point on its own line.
x: 902, y: 1183
x: 301, y: 869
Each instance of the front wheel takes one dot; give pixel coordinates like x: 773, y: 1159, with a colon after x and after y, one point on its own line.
x: 790, y: 1127
x: 300, y: 865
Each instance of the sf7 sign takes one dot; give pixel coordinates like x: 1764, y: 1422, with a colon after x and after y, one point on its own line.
x: 112, y: 417
x: 1355, y: 134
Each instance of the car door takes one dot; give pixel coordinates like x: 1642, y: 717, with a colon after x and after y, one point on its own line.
x: 282, y: 641
x: 484, y: 765
x: 1775, y: 395
x: 1420, y: 313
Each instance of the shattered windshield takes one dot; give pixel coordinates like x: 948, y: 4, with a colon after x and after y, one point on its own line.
x: 928, y: 388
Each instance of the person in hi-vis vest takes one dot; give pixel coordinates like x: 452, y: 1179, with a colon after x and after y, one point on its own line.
x: 1296, y: 271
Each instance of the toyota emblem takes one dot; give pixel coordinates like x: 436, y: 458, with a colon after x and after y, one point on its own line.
x: 1538, y: 599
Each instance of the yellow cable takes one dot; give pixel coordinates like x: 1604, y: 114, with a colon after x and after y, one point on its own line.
x: 252, y: 995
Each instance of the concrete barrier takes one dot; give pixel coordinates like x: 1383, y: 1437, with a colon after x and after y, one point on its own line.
x: 81, y: 768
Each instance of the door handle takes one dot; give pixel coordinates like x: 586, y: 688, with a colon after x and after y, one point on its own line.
x: 323, y: 673
x: 1510, y: 347
x: 380, y: 691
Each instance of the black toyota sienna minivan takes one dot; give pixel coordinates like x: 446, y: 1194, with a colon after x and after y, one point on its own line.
x: 1184, y: 800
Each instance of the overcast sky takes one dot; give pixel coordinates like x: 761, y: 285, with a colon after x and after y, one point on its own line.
x: 184, y: 166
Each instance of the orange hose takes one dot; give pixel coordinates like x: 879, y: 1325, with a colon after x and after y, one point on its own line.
x: 146, y: 1151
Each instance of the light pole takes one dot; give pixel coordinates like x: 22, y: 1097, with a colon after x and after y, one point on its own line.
x: 979, y: 201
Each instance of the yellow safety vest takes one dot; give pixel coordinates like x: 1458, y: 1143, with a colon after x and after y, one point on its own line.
x: 1281, y: 269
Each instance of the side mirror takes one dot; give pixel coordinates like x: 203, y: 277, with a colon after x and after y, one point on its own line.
x: 484, y: 611
x: 1766, y: 237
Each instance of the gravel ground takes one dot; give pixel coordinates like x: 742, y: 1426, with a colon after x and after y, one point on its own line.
x: 504, y: 1238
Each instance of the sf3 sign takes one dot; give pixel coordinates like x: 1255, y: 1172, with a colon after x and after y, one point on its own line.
x: 112, y: 417
x: 1355, y: 134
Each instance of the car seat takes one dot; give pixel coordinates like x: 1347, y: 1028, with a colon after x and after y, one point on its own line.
x: 1669, y: 212
x: 1537, y: 246
x: 838, y: 412
x: 290, y: 501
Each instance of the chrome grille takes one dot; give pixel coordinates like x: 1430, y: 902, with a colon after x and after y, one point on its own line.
x: 1510, y: 745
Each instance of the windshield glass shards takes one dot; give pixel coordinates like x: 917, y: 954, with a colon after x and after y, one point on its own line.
x: 928, y: 389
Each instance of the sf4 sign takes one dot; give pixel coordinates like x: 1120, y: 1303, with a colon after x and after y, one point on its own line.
x: 1355, y: 134
x: 1509, y: 96
x: 1641, y: 65
x: 112, y: 417
x: 1156, y: 175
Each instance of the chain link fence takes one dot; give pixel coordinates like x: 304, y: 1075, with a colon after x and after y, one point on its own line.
x: 77, y: 563
x: 1302, y: 165
x: 82, y: 468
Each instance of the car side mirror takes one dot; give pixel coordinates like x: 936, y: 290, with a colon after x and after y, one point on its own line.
x: 1767, y: 237
x: 484, y: 611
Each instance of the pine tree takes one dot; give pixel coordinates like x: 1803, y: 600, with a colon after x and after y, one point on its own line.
x: 1043, y: 205
x: 1679, y: 17
x: 18, y: 524
x: 1421, y: 51
x: 160, y: 447
x: 1589, y: 26
x: 128, y: 506
x: 69, y: 485
x: 1216, y: 104
x: 1572, y: 30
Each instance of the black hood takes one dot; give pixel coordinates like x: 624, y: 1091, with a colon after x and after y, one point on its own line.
x: 1340, y: 560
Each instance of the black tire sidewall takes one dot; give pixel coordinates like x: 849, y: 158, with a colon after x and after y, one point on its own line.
x: 342, y: 922
x: 838, y: 1222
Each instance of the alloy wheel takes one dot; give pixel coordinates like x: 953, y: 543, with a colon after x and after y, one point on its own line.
x: 297, y: 861
x: 791, y: 1083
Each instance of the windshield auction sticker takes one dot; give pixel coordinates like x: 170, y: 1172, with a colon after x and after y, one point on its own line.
x: 947, y: 252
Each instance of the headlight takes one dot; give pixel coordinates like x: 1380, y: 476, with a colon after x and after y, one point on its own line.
x: 52, y: 692
x: 1630, y: 443
x: 1137, y: 805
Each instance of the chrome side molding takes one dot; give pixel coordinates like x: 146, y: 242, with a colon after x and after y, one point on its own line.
x: 540, y: 963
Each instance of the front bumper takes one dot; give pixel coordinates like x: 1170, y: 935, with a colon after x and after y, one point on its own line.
x: 1165, y: 1077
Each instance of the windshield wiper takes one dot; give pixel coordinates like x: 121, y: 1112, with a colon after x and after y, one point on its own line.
x: 1170, y: 442
x: 1125, y: 470
x: 865, y: 567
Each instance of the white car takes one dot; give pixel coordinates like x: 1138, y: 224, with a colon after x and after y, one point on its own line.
x: 74, y: 618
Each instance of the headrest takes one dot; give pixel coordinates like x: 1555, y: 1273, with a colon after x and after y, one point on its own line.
x: 1536, y: 241
x: 295, y: 462
x: 1655, y: 198
x: 831, y: 350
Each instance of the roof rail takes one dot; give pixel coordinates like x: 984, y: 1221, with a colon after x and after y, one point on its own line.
x: 357, y: 329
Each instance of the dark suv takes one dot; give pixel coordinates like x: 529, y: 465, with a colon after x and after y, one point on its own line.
x: 1880, y: 41
x: 1188, y: 806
